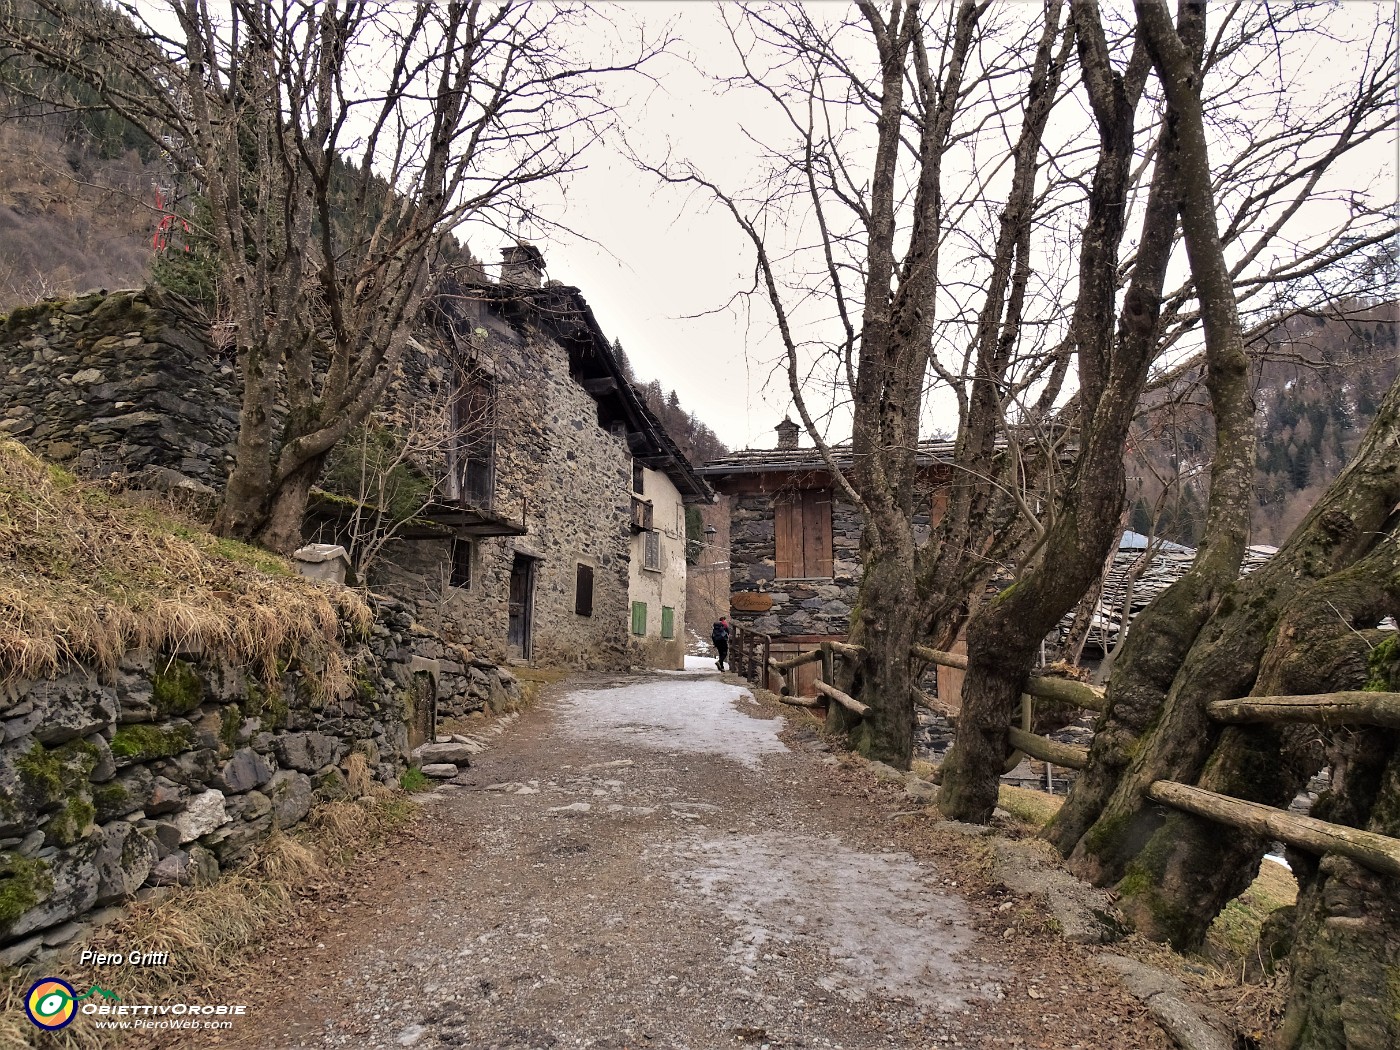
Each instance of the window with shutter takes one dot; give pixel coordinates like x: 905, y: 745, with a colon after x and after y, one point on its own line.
x: 639, y: 617
x: 652, y: 559
x: 802, y: 536
x: 583, y: 591
x: 668, y: 622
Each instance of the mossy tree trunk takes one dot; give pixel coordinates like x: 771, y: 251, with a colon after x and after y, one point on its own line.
x: 1344, y: 986
x: 1128, y: 842
x: 1192, y: 868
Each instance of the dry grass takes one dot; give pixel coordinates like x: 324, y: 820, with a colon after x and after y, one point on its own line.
x: 1233, y: 938
x: 212, y: 932
x: 1035, y: 808
x: 85, y: 577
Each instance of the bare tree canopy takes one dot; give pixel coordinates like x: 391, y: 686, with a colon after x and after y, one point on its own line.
x: 337, y: 145
x: 971, y: 209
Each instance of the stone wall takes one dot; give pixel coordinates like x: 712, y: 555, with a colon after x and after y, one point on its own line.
x: 121, y: 384
x: 800, y: 607
x: 181, y: 763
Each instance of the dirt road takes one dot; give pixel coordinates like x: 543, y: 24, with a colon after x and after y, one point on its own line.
x: 662, y: 862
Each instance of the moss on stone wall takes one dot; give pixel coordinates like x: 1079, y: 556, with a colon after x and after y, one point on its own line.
x: 143, y: 742
x: 68, y: 825
x: 175, y: 688
x: 266, y: 705
x: 24, y: 882
x: 54, y: 776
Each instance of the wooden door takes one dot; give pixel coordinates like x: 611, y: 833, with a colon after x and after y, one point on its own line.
x: 521, y: 604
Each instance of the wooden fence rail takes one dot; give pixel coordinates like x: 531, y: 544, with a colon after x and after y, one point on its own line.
x: 1062, y: 690
x: 1328, y: 709
x: 1377, y: 852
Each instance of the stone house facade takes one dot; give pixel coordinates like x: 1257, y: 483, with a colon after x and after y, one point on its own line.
x: 525, y: 551
x: 542, y: 545
x: 794, y: 542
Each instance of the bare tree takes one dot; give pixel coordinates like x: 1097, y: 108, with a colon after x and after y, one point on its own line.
x: 399, y: 463
x: 338, y: 144
x: 918, y: 237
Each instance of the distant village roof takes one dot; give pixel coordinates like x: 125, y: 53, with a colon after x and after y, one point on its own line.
x: 1165, y: 563
x: 766, y: 460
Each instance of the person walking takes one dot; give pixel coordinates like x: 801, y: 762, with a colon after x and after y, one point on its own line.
x: 719, y: 634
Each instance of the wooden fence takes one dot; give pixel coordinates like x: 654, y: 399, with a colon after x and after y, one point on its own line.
x: 1380, y: 853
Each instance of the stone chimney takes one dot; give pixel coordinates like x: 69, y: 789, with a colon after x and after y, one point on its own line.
x: 787, y: 434
x: 522, y: 265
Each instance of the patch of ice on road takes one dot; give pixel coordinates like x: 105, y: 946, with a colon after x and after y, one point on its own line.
x: 700, y: 663
x: 886, y: 931
x: 696, y: 716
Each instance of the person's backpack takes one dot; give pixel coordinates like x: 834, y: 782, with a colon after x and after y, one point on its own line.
x: 719, y: 633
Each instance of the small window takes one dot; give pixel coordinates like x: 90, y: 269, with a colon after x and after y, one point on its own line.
x: 639, y: 617
x: 583, y: 591
x: 461, y: 562
x: 653, y: 552
x: 668, y: 622
x: 638, y: 474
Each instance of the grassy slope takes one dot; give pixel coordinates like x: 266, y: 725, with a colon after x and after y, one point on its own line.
x: 86, y: 576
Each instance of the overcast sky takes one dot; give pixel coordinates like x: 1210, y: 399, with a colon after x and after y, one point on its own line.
x: 662, y: 257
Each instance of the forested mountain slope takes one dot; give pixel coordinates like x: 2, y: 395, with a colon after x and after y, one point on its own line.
x: 1317, y: 383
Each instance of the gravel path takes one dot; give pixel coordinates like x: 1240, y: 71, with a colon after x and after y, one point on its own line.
x: 661, y: 861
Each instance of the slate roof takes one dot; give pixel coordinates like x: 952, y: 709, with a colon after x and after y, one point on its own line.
x: 767, y: 460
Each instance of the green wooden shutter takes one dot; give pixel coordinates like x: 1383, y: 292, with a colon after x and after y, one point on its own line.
x: 639, y: 617
x: 668, y: 622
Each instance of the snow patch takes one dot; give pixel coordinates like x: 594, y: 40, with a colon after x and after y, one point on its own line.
x: 700, y: 717
x: 874, y: 915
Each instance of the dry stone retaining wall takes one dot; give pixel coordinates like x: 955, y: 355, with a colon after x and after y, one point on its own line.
x: 181, y: 762
x: 124, y: 384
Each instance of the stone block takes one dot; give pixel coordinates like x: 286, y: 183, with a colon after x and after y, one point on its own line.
x: 249, y: 806
x: 234, y: 842
x: 67, y: 887
x: 202, y: 814
x: 175, y: 869
x: 330, y: 783
x: 124, y: 861
x: 440, y: 770
x: 454, y: 753
x: 126, y: 794
x: 245, y: 771
x: 106, y: 767
x: 290, y: 793
x: 166, y: 797
x: 307, y: 752
x: 370, y: 750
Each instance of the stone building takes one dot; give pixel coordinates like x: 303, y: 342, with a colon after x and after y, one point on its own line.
x: 560, y: 535
x: 794, y: 542
x: 533, y: 547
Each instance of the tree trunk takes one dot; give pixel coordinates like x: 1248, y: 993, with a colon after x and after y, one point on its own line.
x: 1343, y: 991
x: 282, y: 529
x: 243, y: 512
x: 1225, y: 661
x: 882, y: 679
x: 1193, y: 867
x: 1004, y: 636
